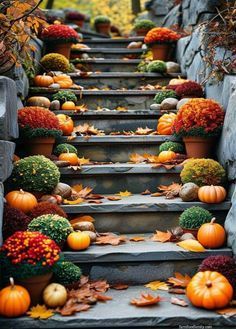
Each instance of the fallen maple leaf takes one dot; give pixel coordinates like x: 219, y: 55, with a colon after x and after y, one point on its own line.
x: 40, y: 312
x: 87, y: 130
x: 136, y: 158
x: 110, y: 238
x: 113, y: 198
x: 120, y: 286
x: 170, y: 191
x: 157, y: 285
x: 143, y: 131
x: 179, y: 280
x: 81, y: 108
x: 73, y: 202
x: 83, y: 161
x: 146, y: 192
x: 84, y: 192
x: 121, y: 109
x: 178, y: 301
x: 137, y: 238
x: 145, y: 300
x: 124, y: 194
x: 69, y: 309
x: 77, y: 188
x: 102, y: 298
x: 229, y: 311
x: 160, y: 236
x: 93, y: 196
x: 191, y: 245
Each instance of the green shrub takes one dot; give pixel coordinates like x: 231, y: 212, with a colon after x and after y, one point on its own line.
x: 55, y: 227
x: 66, y: 273
x: 63, y: 96
x: 145, y: 24
x: 55, y: 62
x: 161, y: 95
x: 65, y: 148
x: 171, y: 146
x: 203, y: 172
x: 142, y: 66
x: 194, y: 217
x: 101, y: 19
x: 35, y: 174
x: 157, y: 66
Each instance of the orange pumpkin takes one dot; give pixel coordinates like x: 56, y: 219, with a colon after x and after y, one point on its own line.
x: 70, y: 157
x: 14, y: 300
x: 78, y: 240
x: 212, y: 194
x: 63, y: 80
x: 210, y: 290
x: 68, y: 106
x: 43, y: 80
x: 66, y: 124
x: 211, y: 235
x: 166, y: 156
x: 21, y: 200
x: 165, y: 123
x: 179, y: 81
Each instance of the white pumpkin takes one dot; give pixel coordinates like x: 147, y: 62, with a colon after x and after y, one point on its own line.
x: 55, y: 295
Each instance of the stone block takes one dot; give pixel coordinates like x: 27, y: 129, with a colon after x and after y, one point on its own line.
x: 22, y: 83
x: 230, y: 224
x: 6, y: 156
x: 197, y: 11
x: 173, y: 17
x: 8, y: 109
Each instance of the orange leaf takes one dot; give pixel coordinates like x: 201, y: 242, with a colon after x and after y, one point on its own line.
x: 120, y: 286
x: 110, y: 238
x: 146, y: 192
x: 102, y: 298
x: 179, y: 280
x: 113, y: 198
x: 229, y: 311
x: 137, y: 238
x: 136, y: 158
x: 145, y: 300
x: 77, y: 188
x: 160, y: 236
x: 84, y: 192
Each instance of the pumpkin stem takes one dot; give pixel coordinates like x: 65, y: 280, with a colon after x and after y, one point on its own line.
x: 208, y: 284
x: 21, y: 191
x: 213, y: 220
x: 12, y: 282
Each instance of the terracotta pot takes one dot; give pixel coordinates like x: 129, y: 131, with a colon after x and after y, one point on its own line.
x: 198, y: 147
x: 103, y: 28
x: 193, y: 231
x: 41, y: 146
x: 35, y: 286
x: 161, y: 51
x: 141, y: 32
x: 60, y: 48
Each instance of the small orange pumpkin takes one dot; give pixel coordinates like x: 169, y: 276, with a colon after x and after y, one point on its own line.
x: 179, y: 81
x: 165, y: 123
x: 70, y: 157
x: 63, y: 80
x: 211, y: 235
x: 68, y: 106
x: 210, y: 290
x: 66, y: 124
x: 78, y: 240
x: 212, y: 194
x: 14, y: 300
x: 43, y: 80
x: 21, y: 200
x: 166, y: 156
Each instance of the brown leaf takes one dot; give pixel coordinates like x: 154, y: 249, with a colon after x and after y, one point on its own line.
x: 81, y: 108
x: 94, y: 197
x: 143, y: 131
x: 87, y: 130
x: 229, y: 311
x: 178, y: 301
x: 67, y: 310
x: 95, y: 201
x: 99, y: 285
x: 137, y: 238
x: 169, y: 191
x: 160, y: 236
x: 119, y: 286
x: 77, y: 188
x: 145, y: 300
x: 146, y: 192
x: 102, y: 298
x: 84, y: 192
x: 136, y: 158
x: 177, y: 291
x: 111, y: 239
x: 113, y: 198
x: 179, y: 280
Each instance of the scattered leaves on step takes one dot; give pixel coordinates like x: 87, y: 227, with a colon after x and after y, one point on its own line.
x: 143, y: 131
x: 229, y: 311
x: 178, y: 301
x: 191, y: 245
x: 177, y: 291
x: 40, y: 312
x: 137, y: 239
x: 157, y: 285
x: 81, y: 108
x: 145, y: 300
x: 160, y: 236
x: 87, y: 130
x: 146, y: 192
x: 102, y: 298
x: 73, y: 202
x: 120, y: 286
x: 124, y: 194
x: 110, y: 238
x: 169, y: 191
x: 113, y: 198
x: 179, y: 280
x: 136, y: 158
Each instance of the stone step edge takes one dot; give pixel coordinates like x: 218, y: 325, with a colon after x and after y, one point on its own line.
x: 115, y: 75
x: 134, y: 114
x: 106, y: 61
x: 107, y: 50
x: 113, y: 40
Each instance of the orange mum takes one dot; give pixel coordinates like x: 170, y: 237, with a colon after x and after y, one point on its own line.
x: 160, y: 35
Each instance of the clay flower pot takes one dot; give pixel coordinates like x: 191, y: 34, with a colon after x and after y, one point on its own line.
x: 35, y: 286
x: 141, y: 32
x: 103, y: 28
x: 161, y: 51
x: 60, y: 48
x: 198, y: 147
x: 41, y: 146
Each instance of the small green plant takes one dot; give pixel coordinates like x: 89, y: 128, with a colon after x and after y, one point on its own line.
x: 64, y: 96
x: 157, y: 66
x: 101, y: 19
x: 144, y: 24
x: 203, y: 172
x: 55, y: 62
x: 142, y: 66
x: 161, y: 95
x: 35, y: 174
x: 194, y: 217
x: 172, y: 146
x: 66, y: 273
x: 55, y: 227
x: 65, y: 148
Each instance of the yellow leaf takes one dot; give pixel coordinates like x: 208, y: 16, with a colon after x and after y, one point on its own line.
x: 124, y: 194
x: 83, y: 161
x: 122, y: 109
x: 191, y: 245
x: 40, y: 312
x: 77, y: 201
x: 77, y: 188
x: 157, y: 285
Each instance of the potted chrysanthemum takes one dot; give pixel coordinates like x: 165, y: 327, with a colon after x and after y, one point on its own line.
x: 102, y: 24
x: 142, y: 26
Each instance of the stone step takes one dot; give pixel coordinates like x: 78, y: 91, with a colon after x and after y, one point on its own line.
x: 108, y: 65
x: 116, y: 148
x: 111, y: 99
x: 111, y: 178
x: 107, y: 53
x: 117, y: 80
x: 111, y: 43
x: 6, y: 156
x: 89, y: 34
x: 118, y: 313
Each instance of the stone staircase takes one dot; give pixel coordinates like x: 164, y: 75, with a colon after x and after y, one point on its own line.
x: 131, y: 263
